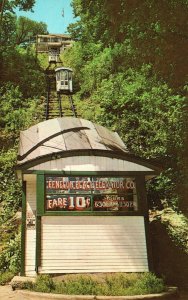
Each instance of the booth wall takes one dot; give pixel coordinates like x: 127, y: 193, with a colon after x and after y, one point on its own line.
x: 81, y: 244
x: 30, y: 234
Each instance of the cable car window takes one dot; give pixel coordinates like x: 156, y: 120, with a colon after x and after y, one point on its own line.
x: 63, y: 82
x: 58, y: 76
x: 64, y: 75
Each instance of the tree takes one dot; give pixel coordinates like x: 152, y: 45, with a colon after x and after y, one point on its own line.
x: 129, y: 70
x: 10, y: 5
x: 18, y: 64
x: 7, y: 8
x: 153, y: 32
x: 27, y: 30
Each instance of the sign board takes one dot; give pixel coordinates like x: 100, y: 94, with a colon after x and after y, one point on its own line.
x: 30, y: 220
x: 90, y: 194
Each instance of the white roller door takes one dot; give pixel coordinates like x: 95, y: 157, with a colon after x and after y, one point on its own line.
x: 80, y: 244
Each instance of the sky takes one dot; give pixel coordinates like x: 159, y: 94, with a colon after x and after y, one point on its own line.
x: 50, y: 12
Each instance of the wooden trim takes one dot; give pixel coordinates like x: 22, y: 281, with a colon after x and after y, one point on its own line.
x: 40, y: 194
x: 90, y: 173
x: 104, y: 153
x: 39, y: 212
x: 38, y: 244
x: 148, y: 244
x: 92, y: 213
x: 23, y: 229
x: 142, y: 194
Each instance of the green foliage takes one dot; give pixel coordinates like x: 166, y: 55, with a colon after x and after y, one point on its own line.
x: 16, y: 112
x: 143, y: 29
x: 147, y: 284
x: 5, y: 277
x: 10, y: 255
x: 19, y: 66
x: 27, y: 30
x: 143, y: 110
x: 10, y: 198
x: 119, y: 284
x: 44, y: 284
x: 10, y: 5
x: 43, y: 60
x: 7, y: 33
x: 177, y: 227
x: 148, y: 115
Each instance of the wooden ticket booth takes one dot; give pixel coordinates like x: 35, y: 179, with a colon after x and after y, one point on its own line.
x: 84, y: 200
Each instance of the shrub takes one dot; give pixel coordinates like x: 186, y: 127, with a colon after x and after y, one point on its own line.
x: 44, y: 283
x: 148, y: 283
x: 10, y: 256
x: 119, y: 284
x: 6, y: 277
x: 81, y: 285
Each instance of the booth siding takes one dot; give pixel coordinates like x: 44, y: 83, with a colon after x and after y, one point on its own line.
x: 84, y: 200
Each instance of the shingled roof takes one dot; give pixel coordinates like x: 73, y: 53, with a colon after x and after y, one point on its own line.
x: 66, y: 134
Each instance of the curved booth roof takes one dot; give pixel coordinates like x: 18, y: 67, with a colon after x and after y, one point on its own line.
x: 68, y: 137
x: 65, y: 134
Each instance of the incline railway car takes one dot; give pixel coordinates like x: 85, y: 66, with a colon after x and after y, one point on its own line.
x: 64, y: 80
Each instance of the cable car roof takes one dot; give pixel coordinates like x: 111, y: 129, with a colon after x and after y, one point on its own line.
x: 63, y: 68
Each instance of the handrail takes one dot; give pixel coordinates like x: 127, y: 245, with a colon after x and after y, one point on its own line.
x: 72, y: 106
x: 60, y: 106
x: 47, y: 104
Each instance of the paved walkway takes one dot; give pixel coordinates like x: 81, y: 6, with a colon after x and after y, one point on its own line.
x: 6, y: 293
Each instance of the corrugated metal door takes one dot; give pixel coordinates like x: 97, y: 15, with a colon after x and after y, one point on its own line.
x: 82, y: 244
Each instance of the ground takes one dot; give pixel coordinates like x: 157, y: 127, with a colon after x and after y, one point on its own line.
x: 6, y: 293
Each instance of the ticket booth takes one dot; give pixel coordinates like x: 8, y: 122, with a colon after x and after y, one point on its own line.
x: 84, y: 200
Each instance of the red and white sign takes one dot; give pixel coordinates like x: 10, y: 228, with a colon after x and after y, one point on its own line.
x: 90, y: 193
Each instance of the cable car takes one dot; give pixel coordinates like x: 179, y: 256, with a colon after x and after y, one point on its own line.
x: 64, y: 80
x: 53, y: 55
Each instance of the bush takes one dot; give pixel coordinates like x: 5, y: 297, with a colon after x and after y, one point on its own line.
x: 44, y: 283
x: 6, y: 277
x: 147, y: 284
x: 119, y: 284
x: 10, y: 256
x: 80, y: 285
